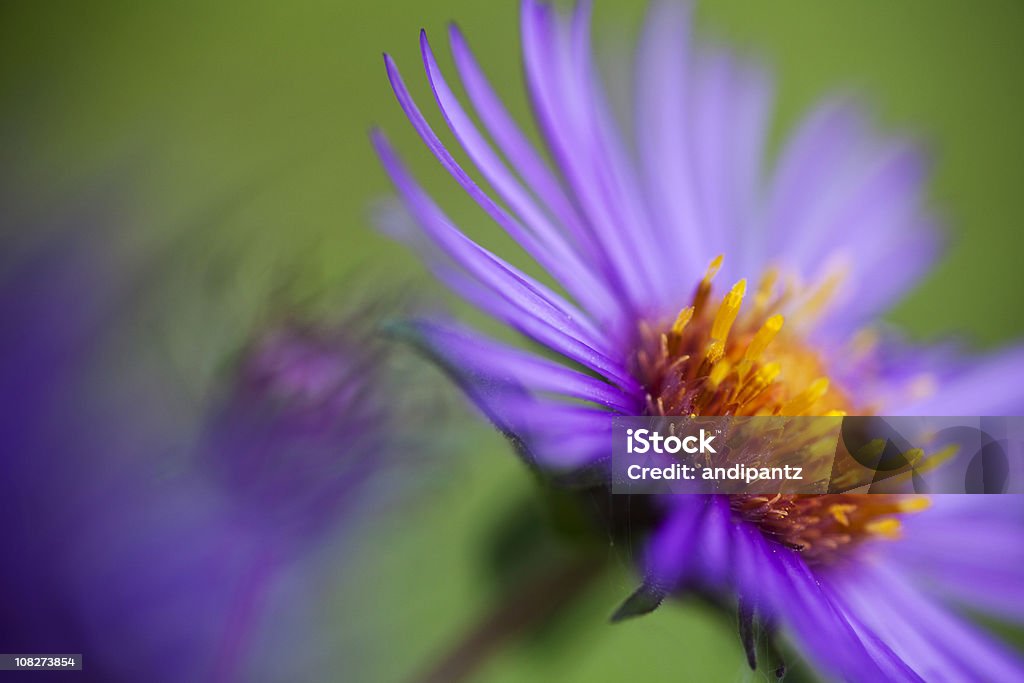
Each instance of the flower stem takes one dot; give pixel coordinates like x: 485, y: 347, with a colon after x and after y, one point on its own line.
x: 521, y: 611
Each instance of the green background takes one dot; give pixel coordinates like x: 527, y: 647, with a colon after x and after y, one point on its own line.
x: 234, y: 135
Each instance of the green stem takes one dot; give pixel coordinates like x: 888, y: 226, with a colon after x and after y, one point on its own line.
x: 519, y: 613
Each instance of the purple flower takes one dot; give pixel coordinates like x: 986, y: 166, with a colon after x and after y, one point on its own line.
x: 303, y: 428
x: 160, y: 548
x: 633, y: 237
x: 111, y: 557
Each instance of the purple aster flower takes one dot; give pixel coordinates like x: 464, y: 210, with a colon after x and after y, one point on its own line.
x: 633, y: 232
x: 194, y: 564
x: 303, y: 428
x: 114, y: 559
x: 160, y: 548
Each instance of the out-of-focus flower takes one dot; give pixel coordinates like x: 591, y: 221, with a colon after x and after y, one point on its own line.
x: 832, y: 235
x: 155, y: 544
x: 303, y: 427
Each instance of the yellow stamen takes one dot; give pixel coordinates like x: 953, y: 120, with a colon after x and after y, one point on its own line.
x: 864, y: 342
x: 682, y: 320
x: 887, y: 528
x: 764, y: 376
x: 806, y: 399
x: 713, y: 268
x: 839, y: 512
x: 716, y: 350
x: 719, y: 373
x: 728, y: 311
x: 820, y: 299
x: 913, y: 455
x: 763, y: 338
x: 768, y: 372
x: 704, y: 288
x: 914, y: 504
x: 765, y: 289
x: 871, y: 452
x: 936, y: 459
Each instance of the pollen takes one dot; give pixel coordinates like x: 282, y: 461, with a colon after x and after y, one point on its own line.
x: 733, y: 359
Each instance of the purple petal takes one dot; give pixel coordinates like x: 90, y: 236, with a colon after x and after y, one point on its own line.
x: 706, y: 546
x: 527, y: 240
x: 552, y: 338
x: 963, y: 547
x: 672, y: 550
x: 731, y: 110
x: 518, y: 149
x: 544, y: 241
x: 555, y: 77
x: 987, y: 386
x: 662, y: 117
x: 553, y: 435
x: 811, y: 157
x: 613, y: 163
x: 841, y: 193
x: 537, y: 306
x: 932, y: 641
x: 493, y: 361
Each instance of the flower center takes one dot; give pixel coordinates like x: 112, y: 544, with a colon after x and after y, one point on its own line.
x: 716, y: 359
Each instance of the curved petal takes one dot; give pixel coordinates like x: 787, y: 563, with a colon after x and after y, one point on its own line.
x: 550, y: 432
x: 932, y: 641
x: 549, y: 245
x: 537, y: 307
x: 518, y: 149
x: 494, y: 361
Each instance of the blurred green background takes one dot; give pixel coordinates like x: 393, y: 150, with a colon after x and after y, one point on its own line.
x: 240, y: 129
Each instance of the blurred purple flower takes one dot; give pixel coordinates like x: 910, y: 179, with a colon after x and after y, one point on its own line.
x: 839, y: 220
x: 149, y: 543
x: 304, y: 426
